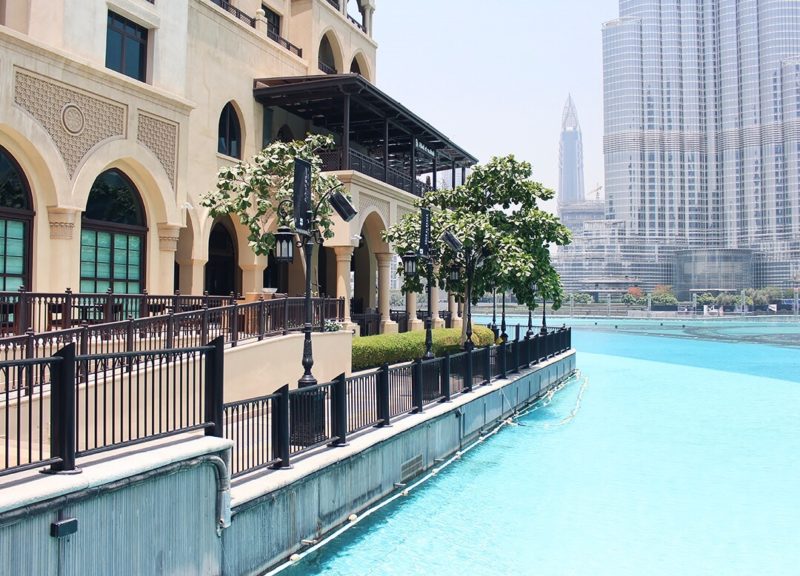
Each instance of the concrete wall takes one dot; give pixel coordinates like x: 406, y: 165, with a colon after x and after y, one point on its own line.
x: 149, y: 514
x: 262, y: 367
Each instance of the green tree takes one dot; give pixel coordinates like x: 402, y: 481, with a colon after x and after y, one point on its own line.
x: 662, y: 295
x: 252, y: 191
x: 705, y: 299
x: 495, y: 214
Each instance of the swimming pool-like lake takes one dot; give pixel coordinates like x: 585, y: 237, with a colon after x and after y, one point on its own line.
x: 683, y: 457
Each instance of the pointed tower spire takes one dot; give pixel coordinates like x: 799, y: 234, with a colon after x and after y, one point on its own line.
x: 570, y: 182
x: 569, y: 118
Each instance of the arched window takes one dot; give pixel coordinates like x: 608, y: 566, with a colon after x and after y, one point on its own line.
x: 327, y: 63
x: 113, y: 231
x: 230, y: 133
x: 16, y: 219
x: 355, y: 68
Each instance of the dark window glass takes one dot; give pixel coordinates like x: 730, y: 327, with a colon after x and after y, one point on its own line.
x: 126, y: 47
x: 112, y: 237
x: 16, y: 217
x: 273, y: 21
x: 230, y: 134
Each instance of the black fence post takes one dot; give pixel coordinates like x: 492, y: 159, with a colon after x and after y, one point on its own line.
x: 468, y: 371
x: 416, y: 386
x: 62, y: 411
x: 285, y: 314
x: 445, y: 377
x: 487, y: 364
x: 516, y: 355
x: 171, y: 329
x: 234, y: 324
x: 204, y: 323
x: 262, y: 317
x: 384, y: 416
x: 339, y: 412
x: 215, y: 375
x: 21, y: 316
x: 280, y: 429
x: 66, y: 312
x: 569, y: 337
x: 502, y: 359
x: 129, y: 362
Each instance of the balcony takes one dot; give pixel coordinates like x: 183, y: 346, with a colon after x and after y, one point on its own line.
x: 334, y: 160
x: 272, y: 34
x: 376, y: 135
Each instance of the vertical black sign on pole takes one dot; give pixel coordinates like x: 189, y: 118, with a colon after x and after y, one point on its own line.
x: 302, y: 196
x: 425, y: 231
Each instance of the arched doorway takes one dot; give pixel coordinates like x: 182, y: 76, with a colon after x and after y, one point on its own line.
x: 354, y: 67
x: 16, y: 221
x: 113, y: 232
x: 284, y: 134
x: 222, y: 271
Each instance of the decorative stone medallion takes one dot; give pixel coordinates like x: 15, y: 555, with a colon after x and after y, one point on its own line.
x: 73, y: 119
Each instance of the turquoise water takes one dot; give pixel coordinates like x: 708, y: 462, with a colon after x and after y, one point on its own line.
x: 683, y: 458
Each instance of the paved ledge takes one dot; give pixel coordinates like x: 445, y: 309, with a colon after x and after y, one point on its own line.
x: 31, y: 487
x: 263, y: 482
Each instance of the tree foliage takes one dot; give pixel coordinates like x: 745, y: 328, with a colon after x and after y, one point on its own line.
x: 253, y: 190
x: 495, y: 214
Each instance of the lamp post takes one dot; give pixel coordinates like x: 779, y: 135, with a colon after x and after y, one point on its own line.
x: 307, y: 227
x: 529, y: 333
x: 493, y: 325
x: 503, y: 334
x: 543, y: 329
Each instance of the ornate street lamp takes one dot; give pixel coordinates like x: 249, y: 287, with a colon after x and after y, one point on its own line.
x: 454, y: 274
x: 493, y: 325
x: 409, y: 263
x: 284, y: 245
x: 543, y: 329
x: 307, y: 227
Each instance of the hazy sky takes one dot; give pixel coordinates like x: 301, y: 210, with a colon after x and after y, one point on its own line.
x: 494, y: 76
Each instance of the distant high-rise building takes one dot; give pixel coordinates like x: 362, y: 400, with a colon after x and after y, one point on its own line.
x: 573, y: 207
x: 570, y: 157
x: 702, y: 143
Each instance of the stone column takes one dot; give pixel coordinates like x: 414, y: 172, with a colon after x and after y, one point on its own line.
x: 253, y: 276
x: 411, y: 307
x: 452, y: 306
x: 165, y: 267
x: 192, y: 276
x: 436, y: 322
x: 368, y: 8
x: 384, y: 269
x: 343, y: 256
x: 60, y: 263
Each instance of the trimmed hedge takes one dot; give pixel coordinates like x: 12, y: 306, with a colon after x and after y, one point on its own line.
x: 372, y: 351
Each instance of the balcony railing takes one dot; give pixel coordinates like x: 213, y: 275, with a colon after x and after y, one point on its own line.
x: 272, y: 34
x: 236, y: 12
x: 335, y: 4
x: 356, y: 23
x: 332, y: 160
x: 327, y: 68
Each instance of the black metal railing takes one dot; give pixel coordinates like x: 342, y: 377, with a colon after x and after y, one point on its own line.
x: 235, y: 323
x: 22, y: 311
x: 273, y: 34
x: 401, y: 317
x: 356, y: 23
x: 334, y: 3
x: 130, y: 398
x: 327, y: 68
x: 271, y: 430
x: 333, y: 160
x: 249, y: 20
x: 369, y: 323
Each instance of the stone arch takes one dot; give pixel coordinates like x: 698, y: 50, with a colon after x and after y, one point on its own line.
x: 329, y: 40
x: 41, y: 164
x: 222, y: 271
x: 360, y: 65
x: 141, y: 167
x: 372, y: 224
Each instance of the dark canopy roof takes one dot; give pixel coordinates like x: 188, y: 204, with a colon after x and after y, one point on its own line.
x: 320, y: 99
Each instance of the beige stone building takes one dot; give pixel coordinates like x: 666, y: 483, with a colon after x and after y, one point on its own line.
x: 116, y: 115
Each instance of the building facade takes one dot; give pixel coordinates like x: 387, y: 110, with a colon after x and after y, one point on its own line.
x: 116, y: 116
x: 701, y: 143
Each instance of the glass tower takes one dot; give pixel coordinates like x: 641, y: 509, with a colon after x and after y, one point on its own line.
x: 570, y: 157
x: 702, y: 128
